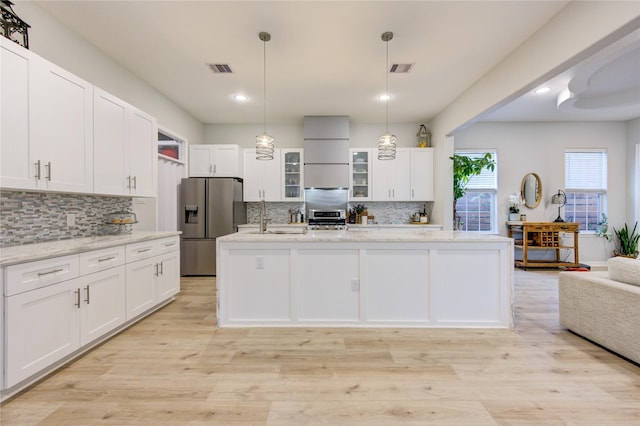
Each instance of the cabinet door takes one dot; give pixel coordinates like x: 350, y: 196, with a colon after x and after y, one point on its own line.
x: 16, y: 168
x: 200, y: 161
x: 110, y: 148
x: 262, y: 178
x: 227, y: 161
x: 102, y: 303
x: 360, y: 175
x: 142, y: 135
x: 402, y: 175
x: 168, y: 283
x: 42, y: 328
x: 422, y: 174
x: 292, y: 175
x: 61, y: 127
x: 382, y: 179
x: 141, y: 276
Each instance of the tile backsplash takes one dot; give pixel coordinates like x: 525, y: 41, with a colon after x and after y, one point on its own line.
x: 36, y: 217
x: 383, y: 212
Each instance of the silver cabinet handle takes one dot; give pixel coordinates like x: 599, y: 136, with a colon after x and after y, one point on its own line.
x: 77, y: 304
x: 156, y: 273
x: 37, y: 164
x: 48, y: 169
x: 129, y: 182
x: 394, y: 193
x: 162, y: 268
x: 104, y: 259
x: 211, y: 168
x: 40, y: 274
x: 135, y: 182
x: 215, y: 168
x: 412, y: 193
x: 87, y: 292
x: 169, y: 244
x: 144, y: 250
x: 389, y: 192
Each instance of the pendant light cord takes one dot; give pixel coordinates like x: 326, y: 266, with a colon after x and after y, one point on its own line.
x: 264, y: 86
x: 386, y: 89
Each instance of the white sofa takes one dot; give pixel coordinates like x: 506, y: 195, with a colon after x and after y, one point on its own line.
x: 604, y: 307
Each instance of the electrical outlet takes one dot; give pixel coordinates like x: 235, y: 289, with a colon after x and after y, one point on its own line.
x: 259, y: 262
x: 355, y: 285
x: 71, y: 220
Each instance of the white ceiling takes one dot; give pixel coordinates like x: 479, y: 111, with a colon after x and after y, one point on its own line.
x: 324, y: 57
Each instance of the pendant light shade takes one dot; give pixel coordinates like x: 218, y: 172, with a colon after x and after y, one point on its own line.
x: 387, y: 142
x: 264, y: 142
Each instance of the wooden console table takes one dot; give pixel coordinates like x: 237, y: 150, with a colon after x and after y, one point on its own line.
x: 540, y: 236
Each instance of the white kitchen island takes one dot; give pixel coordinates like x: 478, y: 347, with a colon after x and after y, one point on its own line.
x: 365, y: 279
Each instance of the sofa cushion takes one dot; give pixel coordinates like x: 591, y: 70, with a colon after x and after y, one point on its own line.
x: 624, y: 270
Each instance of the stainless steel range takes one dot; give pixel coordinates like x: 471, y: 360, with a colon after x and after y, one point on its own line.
x: 326, y: 208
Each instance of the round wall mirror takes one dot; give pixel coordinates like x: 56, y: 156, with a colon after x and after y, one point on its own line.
x: 531, y: 190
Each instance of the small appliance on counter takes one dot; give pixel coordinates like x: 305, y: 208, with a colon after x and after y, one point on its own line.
x: 122, y: 218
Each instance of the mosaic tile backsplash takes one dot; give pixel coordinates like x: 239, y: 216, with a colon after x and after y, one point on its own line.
x: 383, y: 212
x: 36, y: 217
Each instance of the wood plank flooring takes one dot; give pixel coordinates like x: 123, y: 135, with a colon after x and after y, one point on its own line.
x: 175, y: 368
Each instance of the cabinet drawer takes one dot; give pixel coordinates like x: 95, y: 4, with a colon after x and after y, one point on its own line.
x: 141, y: 250
x: 99, y: 260
x: 166, y: 245
x: 33, y: 275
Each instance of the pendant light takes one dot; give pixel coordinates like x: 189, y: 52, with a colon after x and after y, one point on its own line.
x: 264, y: 142
x: 387, y: 142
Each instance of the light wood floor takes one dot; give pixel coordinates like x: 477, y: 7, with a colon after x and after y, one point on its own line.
x: 176, y: 368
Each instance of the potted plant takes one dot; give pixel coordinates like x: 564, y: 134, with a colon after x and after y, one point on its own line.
x: 515, y: 201
x: 627, y: 241
x: 463, y: 169
x: 602, y: 227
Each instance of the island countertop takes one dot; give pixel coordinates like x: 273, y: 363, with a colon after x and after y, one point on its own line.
x: 361, y: 235
x: 38, y: 251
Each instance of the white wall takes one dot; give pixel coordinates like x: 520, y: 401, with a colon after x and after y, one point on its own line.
x: 633, y: 168
x: 539, y: 148
x: 579, y: 30
x: 49, y: 39
x: 361, y: 135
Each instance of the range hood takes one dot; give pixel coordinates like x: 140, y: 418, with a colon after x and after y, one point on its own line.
x: 326, y: 151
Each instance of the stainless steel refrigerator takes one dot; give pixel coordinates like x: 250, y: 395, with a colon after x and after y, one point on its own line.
x: 209, y: 208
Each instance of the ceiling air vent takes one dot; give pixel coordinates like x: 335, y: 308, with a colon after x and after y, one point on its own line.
x: 400, y: 68
x: 220, y: 68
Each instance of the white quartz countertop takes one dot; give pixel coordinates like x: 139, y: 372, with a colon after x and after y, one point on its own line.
x: 39, y: 251
x: 363, y: 236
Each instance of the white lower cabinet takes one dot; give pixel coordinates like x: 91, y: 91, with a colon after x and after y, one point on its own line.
x: 42, y: 328
x: 55, y: 307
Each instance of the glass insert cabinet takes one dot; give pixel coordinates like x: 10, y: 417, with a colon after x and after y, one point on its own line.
x: 360, y: 174
x: 292, y: 160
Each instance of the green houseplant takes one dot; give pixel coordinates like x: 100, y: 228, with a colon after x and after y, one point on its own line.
x: 464, y: 168
x: 627, y: 241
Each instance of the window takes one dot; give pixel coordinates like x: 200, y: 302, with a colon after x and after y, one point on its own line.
x: 477, y: 209
x: 585, y: 181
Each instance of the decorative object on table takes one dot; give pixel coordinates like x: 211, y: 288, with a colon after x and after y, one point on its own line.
x: 627, y: 244
x: 264, y: 142
x: 531, y: 190
x: 464, y: 168
x: 523, y: 217
x: 387, y: 142
x: 602, y: 228
x: 424, y: 137
x: 13, y: 28
x: 559, y: 199
x: 515, y: 201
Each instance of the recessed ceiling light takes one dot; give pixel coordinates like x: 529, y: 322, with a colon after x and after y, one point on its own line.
x: 542, y: 90
x: 240, y: 98
x: 384, y: 97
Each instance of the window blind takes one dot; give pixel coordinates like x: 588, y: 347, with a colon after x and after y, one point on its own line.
x: 488, y: 179
x: 585, y: 170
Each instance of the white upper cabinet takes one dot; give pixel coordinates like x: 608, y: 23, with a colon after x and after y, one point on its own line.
x: 223, y: 160
x: 293, y: 174
x: 60, y: 128
x: 360, y: 174
x: 262, y: 178
x: 124, y: 147
x: 422, y: 174
x: 16, y: 168
x: 392, y: 178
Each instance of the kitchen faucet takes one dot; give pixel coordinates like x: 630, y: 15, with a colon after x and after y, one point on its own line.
x: 263, y: 214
